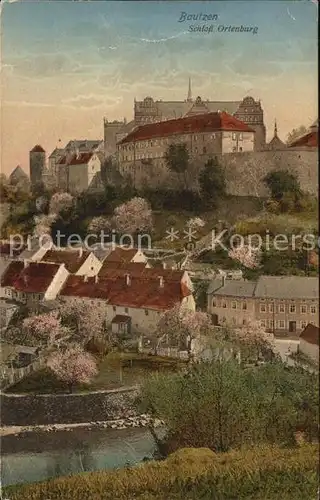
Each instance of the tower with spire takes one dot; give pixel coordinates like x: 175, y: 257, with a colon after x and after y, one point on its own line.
x: 276, y: 143
x: 189, y: 98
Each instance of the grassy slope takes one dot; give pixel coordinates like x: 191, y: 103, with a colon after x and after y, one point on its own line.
x: 265, y: 473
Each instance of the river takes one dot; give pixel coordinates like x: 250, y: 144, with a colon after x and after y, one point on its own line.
x: 37, y: 456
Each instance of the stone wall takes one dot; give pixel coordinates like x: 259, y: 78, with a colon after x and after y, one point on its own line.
x: 244, y: 171
x: 49, y: 409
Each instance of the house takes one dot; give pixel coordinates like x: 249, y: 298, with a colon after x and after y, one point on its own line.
x: 309, y: 342
x: 76, y: 261
x: 141, y: 298
x: 284, y: 305
x: 31, y: 283
x: 125, y: 255
x: 77, y: 171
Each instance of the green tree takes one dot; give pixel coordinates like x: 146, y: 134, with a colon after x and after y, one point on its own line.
x: 212, y: 182
x: 222, y: 406
x: 285, y: 189
x: 177, y: 160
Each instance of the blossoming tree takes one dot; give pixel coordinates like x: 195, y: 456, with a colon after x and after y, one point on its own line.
x: 132, y: 216
x: 88, y: 322
x: 43, y: 224
x: 73, y: 366
x: 60, y: 202
x: 248, y: 257
x: 45, y: 330
x: 98, y: 224
x: 253, y: 340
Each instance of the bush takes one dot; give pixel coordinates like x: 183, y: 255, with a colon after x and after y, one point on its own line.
x: 250, y: 474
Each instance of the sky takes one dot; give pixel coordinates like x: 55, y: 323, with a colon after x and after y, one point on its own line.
x: 68, y: 64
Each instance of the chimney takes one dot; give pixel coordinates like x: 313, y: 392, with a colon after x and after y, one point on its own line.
x: 164, y: 265
x: 96, y: 279
x: 223, y: 279
x: 80, y: 252
x: 85, y: 278
x: 128, y: 280
x: 25, y: 263
x: 161, y: 281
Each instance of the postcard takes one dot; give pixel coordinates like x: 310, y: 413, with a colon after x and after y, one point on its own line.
x: 159, y: 248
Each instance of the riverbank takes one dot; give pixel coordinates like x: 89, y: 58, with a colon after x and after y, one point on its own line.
x: 119, y: 424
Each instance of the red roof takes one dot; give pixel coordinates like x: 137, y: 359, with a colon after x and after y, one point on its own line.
x: 209, y: 122
x: 309, y: 140
x: 114, y: 270
x: 311, y: 334
x: 72, y: 259
x: 37, y: 149
x: 121, y: 255
x: 35, y: 278
x: 77, y: 159
x: 140, y: 293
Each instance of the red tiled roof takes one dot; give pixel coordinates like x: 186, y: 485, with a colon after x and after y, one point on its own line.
x: 37, y: 149
x: 121, y: 255
x: 35, y: 278
x: 114, y: 270
x: 140, y: 293
x: 309, y: 140
x: 311, y: 334
x: 80, y: 159
x: 209, y: 122
x: 7, y: 249
x: 72, y: 259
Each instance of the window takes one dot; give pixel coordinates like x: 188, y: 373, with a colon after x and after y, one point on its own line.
x: 195, y: 149
x: 240, y: 149
x: 303, y: 309
x: 303, y: 324
x: 114, y: 308
x: 213, y: 303
x: 224, y: 305
x: 234, y: 150
x: 263, y: 323
x: 244, y: 306
x: 270, y: 324
x: 313, y: 309
x: 204, y: 150
x: 234, y: 136
x: 263, y: 308
x: 240, y: 137
x: 281, y: 323
x: 281, y: 308
x: 146, y: 312
x: 271, y: 308
x: 126, y: 310
x: 292, y: 308
x: 233, y: 305
x: 213, y: 136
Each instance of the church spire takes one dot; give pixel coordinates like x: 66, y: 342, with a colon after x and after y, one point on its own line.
x: 189, y: 98
x: 275, y: 128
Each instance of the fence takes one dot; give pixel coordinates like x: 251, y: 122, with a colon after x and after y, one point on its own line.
x: 166, y: 352
x: 10, y: 376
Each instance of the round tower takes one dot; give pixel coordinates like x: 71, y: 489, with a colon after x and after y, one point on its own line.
x: 37, y: 163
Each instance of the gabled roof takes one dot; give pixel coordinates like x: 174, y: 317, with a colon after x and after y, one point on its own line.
x: 84, y: 144
x: 35, y: 278
x: 311, y: 334
x: 37, y: 149
x: 57, y: 152
x: 18, y: 174
x: 140, y: 293
x: 309, y: 140
x: 232, y: 288
x: 72, y: 259
x: 77, y: 159
x: 276, y: 144
x: 208, y: 122
x: 120, y: 254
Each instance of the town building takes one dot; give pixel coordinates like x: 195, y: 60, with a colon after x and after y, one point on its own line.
x: 283, y: 305
x: 276, y: 144
x: 309, y: 342
x: 131, y: 303
x: 309, y: 140
x: 19, y: 177
x: 77, y: 171
x: 204, y: 135
x: 31, y: 283
x: 77, y: 261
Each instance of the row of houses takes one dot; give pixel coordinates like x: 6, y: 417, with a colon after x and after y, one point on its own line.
x: 131, y: 294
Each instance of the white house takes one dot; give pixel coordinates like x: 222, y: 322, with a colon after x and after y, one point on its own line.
x: 77, y: 261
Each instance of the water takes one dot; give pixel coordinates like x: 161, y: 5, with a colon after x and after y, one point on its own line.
x: 39, y: 456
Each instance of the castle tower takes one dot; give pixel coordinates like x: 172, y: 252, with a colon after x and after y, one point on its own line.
x: 251, y: 113
x: 37, y: 165
x: 189, y: 98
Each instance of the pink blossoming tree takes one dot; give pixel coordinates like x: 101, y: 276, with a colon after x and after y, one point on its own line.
x: 73, y: 366
x: 248, y: 257
x: 98, y: 224
x: 87, y: 322
x: 253, y: 340
x: 43, y: 225
x: 132, y: 216
x: 60, y: 202
x: 45, y: 330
